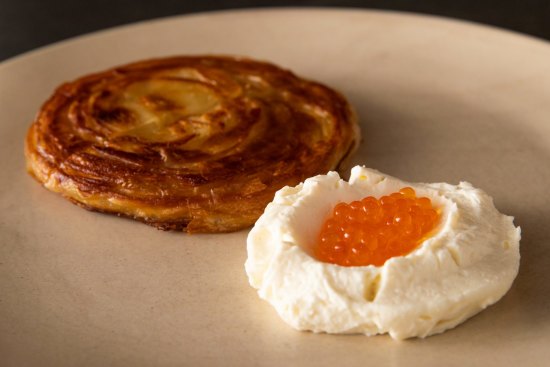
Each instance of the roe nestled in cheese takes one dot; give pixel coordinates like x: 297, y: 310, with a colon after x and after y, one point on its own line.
x: 468, y: 263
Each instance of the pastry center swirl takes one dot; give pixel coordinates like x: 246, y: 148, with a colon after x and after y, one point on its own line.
x: 159, y: 110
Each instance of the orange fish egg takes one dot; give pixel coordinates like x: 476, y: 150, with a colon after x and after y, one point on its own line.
x: 371, y: 231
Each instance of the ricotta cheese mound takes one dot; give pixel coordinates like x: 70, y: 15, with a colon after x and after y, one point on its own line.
x: 468, y: 263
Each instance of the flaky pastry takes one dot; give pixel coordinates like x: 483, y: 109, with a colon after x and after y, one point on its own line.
x: 198, y: 143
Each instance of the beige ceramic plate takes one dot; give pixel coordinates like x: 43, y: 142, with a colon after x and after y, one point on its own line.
x: 438, y: 100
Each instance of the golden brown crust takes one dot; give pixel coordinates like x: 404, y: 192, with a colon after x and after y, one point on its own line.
x: 199, y: 143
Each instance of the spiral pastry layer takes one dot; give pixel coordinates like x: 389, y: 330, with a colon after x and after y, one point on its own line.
x: 198, y: 143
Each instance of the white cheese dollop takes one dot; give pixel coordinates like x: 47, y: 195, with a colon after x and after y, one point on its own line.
x: 468, y: 264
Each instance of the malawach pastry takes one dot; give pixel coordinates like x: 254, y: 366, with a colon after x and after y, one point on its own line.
x: 192, y: 143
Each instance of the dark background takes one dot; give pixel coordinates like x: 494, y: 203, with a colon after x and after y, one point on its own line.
x: 27, y: 24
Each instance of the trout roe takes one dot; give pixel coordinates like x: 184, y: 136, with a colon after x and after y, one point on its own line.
x: 371, y: 231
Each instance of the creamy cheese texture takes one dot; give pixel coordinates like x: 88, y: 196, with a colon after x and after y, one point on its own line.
x: 468, y: 263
